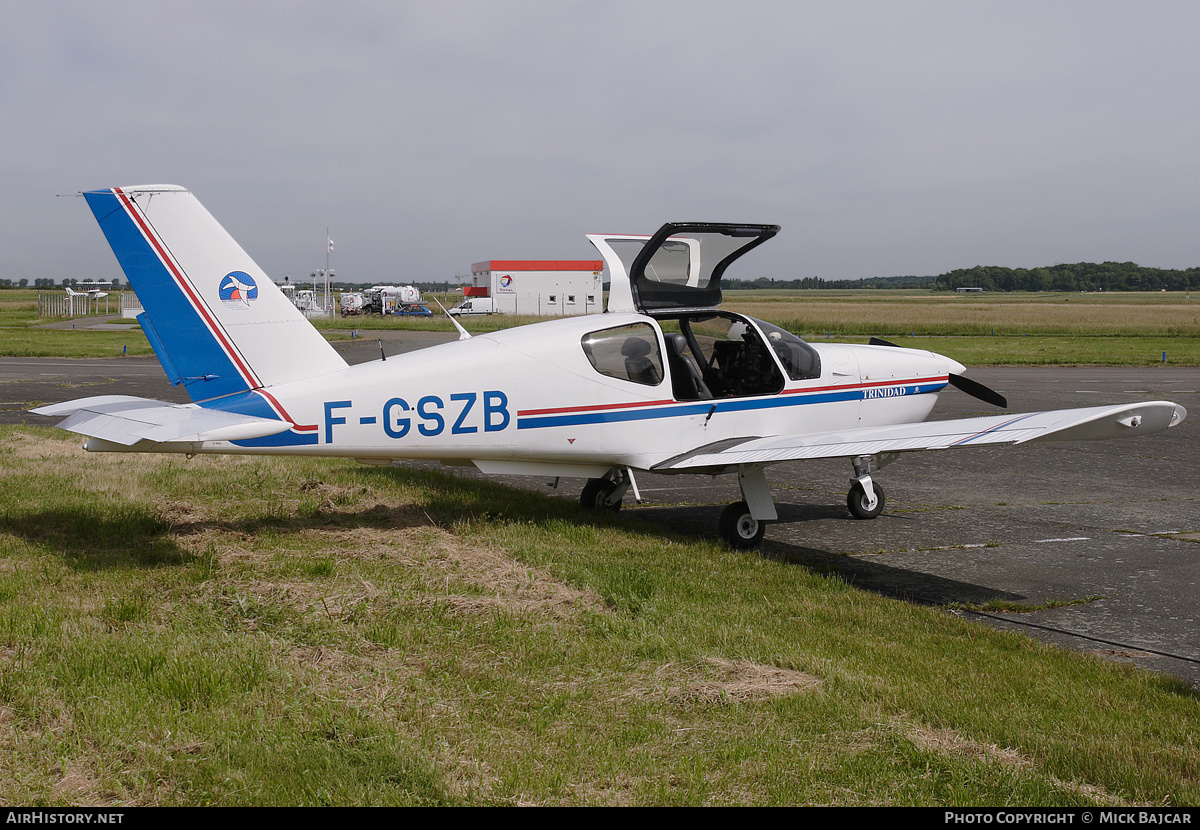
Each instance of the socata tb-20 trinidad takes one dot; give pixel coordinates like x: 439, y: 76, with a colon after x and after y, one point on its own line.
x: 663, y: 381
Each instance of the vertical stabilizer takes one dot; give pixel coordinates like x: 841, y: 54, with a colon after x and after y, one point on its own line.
x: 216, y: 321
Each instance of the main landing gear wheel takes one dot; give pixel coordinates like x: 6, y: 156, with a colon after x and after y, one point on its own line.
x: 739, y: 528
x: 858, y: 502
x: 601, y: 494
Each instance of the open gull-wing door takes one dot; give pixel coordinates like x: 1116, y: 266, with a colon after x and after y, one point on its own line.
x: 680, y: 266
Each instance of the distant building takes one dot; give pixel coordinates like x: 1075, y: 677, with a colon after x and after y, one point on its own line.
x: 547, y: 287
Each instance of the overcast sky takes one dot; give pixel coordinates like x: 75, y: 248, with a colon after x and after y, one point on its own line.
x: 887, y: 138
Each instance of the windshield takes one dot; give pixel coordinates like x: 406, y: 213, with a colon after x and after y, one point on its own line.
x: 799, y: 359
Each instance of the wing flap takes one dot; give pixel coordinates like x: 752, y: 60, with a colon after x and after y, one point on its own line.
x: 1091, y: 423
x: 127, y: 420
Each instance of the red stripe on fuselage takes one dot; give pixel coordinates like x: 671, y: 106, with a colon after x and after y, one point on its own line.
x: 942, y: 379
x: 283, y: 413
x: 595, y: 408
x: 563, y: 410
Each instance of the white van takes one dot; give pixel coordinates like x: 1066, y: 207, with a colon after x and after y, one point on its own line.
x: 475, y: 305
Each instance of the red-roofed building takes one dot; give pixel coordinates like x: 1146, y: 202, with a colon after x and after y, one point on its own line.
x: 547, y: 287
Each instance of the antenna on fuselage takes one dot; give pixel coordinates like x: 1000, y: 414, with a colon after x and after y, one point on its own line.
x: 462, y: 333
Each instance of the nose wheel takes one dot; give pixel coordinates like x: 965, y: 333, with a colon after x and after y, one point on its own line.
x: 860, y: 502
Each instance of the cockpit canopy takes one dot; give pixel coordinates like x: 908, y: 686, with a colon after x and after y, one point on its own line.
x: 679, y: 267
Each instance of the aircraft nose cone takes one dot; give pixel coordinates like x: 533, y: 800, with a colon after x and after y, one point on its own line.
x: 953, y: 367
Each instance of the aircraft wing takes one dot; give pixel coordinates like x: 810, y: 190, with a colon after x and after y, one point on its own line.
x: 127, y: 420
x: 1057, y: 425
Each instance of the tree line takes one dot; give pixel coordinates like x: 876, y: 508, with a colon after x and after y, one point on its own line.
x: 46, y: 282
x: 818, y: 282
x: 1078, y: 276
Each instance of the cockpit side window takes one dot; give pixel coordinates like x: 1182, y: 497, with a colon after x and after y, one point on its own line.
x: 729, y: 353
x: 799, y: 359
x: 627, y: 353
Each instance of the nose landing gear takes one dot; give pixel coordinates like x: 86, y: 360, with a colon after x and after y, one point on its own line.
x: 860, y: 503
x: 865, y: 498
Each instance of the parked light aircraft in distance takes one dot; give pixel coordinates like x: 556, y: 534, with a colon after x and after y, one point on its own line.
x: 91, y: 292
x: 91, y: 288
x: 663, y: 381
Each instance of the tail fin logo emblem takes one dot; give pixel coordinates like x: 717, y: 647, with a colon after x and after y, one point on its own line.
x: 237, y: 288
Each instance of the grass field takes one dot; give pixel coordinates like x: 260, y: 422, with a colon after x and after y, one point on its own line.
x: 23, y: 333
x: 1018, y: 314
x: 978, y: 330
x: 1128, y: 328
x: 239, y: 631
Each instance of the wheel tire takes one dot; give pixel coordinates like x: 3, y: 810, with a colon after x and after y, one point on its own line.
x: 596, y: 493
x: 739, y: 529
x: 856, y: 500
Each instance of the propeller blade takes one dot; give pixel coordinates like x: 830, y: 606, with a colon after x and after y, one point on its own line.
x: 977, y: 390
x: 963, y: 384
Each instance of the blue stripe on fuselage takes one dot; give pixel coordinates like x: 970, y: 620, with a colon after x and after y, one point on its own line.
x: 243, y: 403
x: 252, y: 403
x: 291, y: 438
x: 206, y: 370
x: 703, y: 407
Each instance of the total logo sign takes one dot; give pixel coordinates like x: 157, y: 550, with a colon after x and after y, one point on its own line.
x: 237, y: 288
x: 505, y: 283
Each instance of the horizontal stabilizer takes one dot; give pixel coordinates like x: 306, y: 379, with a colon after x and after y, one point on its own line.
x: 1085, y: 424
x: 126, y: 420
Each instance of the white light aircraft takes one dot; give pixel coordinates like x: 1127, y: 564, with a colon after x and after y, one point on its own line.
x: 91, y: 289
x: 664, y: 381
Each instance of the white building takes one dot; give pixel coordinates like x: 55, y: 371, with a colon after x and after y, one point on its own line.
x: 546, y: 287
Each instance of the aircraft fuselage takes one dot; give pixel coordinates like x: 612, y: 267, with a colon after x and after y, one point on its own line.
x: 531, y: 393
